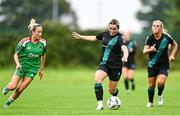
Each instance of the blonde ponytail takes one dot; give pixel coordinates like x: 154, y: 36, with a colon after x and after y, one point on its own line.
x: 32, y: 25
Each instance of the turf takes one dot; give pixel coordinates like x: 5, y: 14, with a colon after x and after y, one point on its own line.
x: 71, y: 92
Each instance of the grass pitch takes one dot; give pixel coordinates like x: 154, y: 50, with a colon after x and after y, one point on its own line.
x: 71, y: 92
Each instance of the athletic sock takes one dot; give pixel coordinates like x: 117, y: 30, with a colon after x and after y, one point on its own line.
x: 126, y: 84
x: 98, y: 91
x: 133, y: 84
x: 151, y: 94
x: 160, y: 90
x: 116, y: 93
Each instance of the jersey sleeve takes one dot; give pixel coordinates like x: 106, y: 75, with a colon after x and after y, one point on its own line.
x: 19, y: 48
x: 122, y: 41
x: 171, y: 40
x: 99, y: 36
x: 44, y: 43
x: 147, y: 41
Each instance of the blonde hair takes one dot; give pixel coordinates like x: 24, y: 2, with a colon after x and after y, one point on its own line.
x: 32, y: 26
x: 162, y: 26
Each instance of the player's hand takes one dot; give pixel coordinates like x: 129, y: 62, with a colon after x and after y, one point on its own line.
x: 18, y: 66
x: 152, y: 48
x: 76, y: 35
x: 124, y: 59
x: 171, y: 58
x: 41, y: 74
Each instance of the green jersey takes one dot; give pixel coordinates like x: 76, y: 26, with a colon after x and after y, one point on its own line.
x: 30, y: 54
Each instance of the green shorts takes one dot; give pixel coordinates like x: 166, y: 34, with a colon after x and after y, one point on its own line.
x: 22, y: 73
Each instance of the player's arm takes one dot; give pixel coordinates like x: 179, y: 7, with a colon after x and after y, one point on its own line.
x: 16, y: 59
x: 84, y: 37
x: 125, y: 53
x: 43, y: 60
x: 148, y: 49
x: 174, y: 50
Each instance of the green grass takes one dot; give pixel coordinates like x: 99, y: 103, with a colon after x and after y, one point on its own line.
x: 71, y: 92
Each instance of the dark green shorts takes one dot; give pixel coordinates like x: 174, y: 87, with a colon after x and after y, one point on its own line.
x: 22, y: 73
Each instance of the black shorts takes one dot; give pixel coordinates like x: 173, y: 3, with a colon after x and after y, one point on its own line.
x: 113, y: 74
x: 129, y: 65
x: 153, y: 72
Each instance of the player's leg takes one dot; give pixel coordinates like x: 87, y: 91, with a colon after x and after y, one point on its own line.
x: 25, y: 82
x: 131, y: 78
x: 125, y: 75
x: 161, y: 79
x: 12, y: 84
x: 114, y: 76
x: 113, y: 88
x: 100, y: 75
x: 151, y: 90
x: 152, y: 74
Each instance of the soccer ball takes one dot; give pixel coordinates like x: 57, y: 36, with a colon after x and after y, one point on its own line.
x: 113, y: 103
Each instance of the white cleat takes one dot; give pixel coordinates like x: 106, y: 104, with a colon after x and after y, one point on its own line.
x: 5, y: 91
x: 149, y: 104
x: 99, y: 107
x: 5, y: 106
x: 160, y: 100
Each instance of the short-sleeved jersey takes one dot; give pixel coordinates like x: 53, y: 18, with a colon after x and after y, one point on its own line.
x: 111, y: 49
x: 132, y: 46
x: 160, y: 57
x: 30, y: 53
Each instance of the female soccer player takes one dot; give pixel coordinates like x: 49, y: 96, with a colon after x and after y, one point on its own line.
x: 129, y: 66
x: 30, y: 55
x: 156, y: 46
x: 110, y: 64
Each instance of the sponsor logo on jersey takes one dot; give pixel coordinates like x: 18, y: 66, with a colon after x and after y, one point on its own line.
x: 105, y: 46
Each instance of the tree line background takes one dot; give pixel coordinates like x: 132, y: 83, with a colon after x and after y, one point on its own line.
x: 62, y: 49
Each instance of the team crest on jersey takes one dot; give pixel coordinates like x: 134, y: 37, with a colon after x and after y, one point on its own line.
x: 40, y: 47
x: 28, y: 47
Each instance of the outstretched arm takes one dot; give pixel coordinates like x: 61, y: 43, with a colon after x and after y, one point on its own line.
x: 173, y: 52
x: 83, y: 37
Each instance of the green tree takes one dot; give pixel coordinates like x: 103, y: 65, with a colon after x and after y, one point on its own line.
x: 16, y: 14
x: 174, y: 17
x: 152, y: 10
x: 165, y: 10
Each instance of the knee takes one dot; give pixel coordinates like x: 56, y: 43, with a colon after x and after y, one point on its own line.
x: 160, y: 83
x: 152, y: 85
x: 98, y: 80
x: 11, y: 86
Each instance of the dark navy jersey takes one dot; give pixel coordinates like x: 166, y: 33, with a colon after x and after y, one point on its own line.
x: 132, y: 46
x: 111, y: 49
x: 160, y: 57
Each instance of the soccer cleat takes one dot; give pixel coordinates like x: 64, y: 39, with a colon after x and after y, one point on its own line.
x: 128, y: 91
x: 99, y: 107
x: 149, y: 104
x: 5, y: 105
x: 9, y: 101
x: 5, y: 90
x: 160, y: 100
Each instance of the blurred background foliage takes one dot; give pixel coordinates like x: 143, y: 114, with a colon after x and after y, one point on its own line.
x: 62, y: 49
